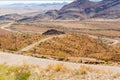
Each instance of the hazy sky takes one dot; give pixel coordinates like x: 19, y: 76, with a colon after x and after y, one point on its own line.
x: 3, y: 2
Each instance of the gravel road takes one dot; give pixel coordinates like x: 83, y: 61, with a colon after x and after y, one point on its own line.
x: 5, y: 27
x: 37, y: 43
x: 14, y: 59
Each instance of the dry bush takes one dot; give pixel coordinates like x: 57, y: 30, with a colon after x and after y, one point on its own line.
x: 90, y: 69
x: 56, y: 72
x: 15, y: 42
x: 14, y: 72
x: 75, y: 45
x: 55, y: 67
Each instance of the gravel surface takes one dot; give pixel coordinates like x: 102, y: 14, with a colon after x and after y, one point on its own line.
x: 14, y: 59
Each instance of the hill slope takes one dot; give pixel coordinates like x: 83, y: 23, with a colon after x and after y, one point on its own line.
x: 81, y: 9
x: 86, y: 9
x: 75, y: 45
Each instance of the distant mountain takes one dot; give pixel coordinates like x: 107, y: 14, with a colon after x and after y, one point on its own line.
x: 81, y: 9
x: 108, y: 9
x: 84, y: 9
x: 11, y: 17
x: 35, y: 4
x: 29, y: 8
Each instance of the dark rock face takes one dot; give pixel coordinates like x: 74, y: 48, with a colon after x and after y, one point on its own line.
x: 87, y: 9
x: 79, y: 8
x: 108, y: 9
x: 83, y: 9
x: 52, y: 32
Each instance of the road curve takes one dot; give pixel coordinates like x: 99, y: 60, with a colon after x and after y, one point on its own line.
x: 5, y: 27
x: 106, y: 40
x: 15, y: 59
x: 37, y: 43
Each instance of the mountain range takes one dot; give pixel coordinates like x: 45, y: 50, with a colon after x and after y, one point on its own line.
x: 82, y: 9
x: 33, y: 4
x: 79, y: 10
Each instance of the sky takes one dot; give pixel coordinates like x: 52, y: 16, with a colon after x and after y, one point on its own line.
x: 4, y: 2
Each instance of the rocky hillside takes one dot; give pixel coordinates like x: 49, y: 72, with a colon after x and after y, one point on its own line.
x: 77, y: 9
x: 81, y: 9
x: 86, y: 9
x: 108, y: 9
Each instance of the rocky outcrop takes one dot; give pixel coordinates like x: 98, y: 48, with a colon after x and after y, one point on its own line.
x: 53, y: 32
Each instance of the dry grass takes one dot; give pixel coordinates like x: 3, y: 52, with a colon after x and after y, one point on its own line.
x: 2, y: 32
x: 14, y: 42
x: 90, y: 25
x: 2, y: 23
x: 54, y: 72
x: 107, y: 33
x: 90, y: 69
x: 55, y: 67
x: 75, y: 45
x: 14, y: 73
x: 81, y: 25
x: 28, y: 28
x: 105, y: 29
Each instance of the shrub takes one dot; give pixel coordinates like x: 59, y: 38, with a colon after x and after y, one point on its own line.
x: 22, y: 73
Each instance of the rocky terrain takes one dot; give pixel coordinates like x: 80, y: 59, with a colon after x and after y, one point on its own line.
x: 53, y: 32
x: 86, y: 9
x: 77, y: 10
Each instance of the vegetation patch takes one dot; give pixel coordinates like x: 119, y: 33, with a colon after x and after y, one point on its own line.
x: 14, y: 73
x: 75, y: 45
x: 15, y: 42
x: 54, y: 72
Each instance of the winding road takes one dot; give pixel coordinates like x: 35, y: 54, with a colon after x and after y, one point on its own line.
x: 106, y: 40
x: 37, y: 43
x: 6, y: 27
x: 15, y: 59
